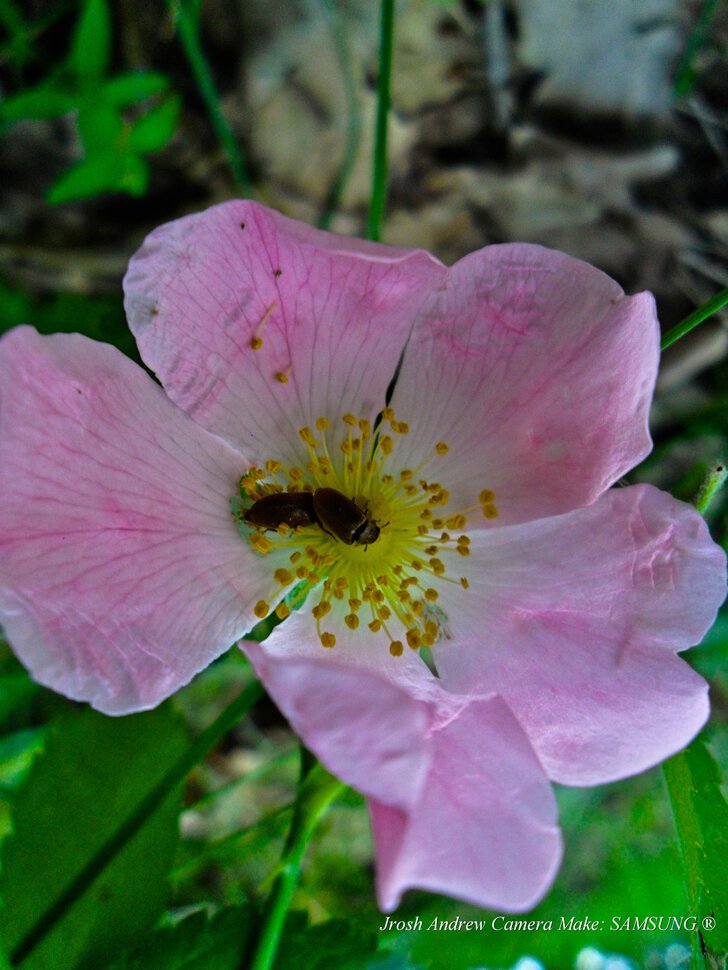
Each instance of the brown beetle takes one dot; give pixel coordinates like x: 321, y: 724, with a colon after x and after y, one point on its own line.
x: 282, y: 508
x: 343, y: 519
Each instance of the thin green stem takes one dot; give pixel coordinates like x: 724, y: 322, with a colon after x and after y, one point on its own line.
x: 141, y: 814
x: 316, y: 793
x: 379, y: 179
x: 691, y: 321
x: 189, y: 38
x: 712, y: 483
x: 353, y: 116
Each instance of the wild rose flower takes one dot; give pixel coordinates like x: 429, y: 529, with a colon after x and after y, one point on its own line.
x: 552, y: 606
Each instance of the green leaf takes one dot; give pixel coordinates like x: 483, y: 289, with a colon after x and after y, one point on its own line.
x: 155, y: 129
x: 100, y: 127
x: 335, y: 943
x: 126, y: 89
x: 98, y: 175
x: 17, y: 754
x: 701, y: 815
x: 91, y: 47
x: 16, y: 692
x: 19, y: 47
x: 195, y: 943
x: 94, y: 773
x: 44, y: 101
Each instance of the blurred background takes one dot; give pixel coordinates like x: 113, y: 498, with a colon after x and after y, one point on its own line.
x: 598, y: 127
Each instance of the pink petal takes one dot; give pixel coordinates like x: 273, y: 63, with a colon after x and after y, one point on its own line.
x: 364, y: 728
x: 574, y: 620
x: 333, y: 314
x: 538, y: 373
x: 459, y: 802
x: 483, y: 827
x: 121, y: 571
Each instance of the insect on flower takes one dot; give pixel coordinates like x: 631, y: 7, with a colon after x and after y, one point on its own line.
x: 339, y: 516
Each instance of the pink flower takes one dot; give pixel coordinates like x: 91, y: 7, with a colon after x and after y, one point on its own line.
x: 552, y: 605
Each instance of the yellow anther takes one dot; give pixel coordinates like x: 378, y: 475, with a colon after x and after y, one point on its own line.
x: 351, y: 620
x: 295, y: 474
x: 283, y: 576
x: 261, y: 543
x: 386, y: 444
x: 295, y: 556
x: 456, y: 522
x: 431, y: 595
x: 306, y: 435
x: 282, y: 611
x: 396, y: 648
x: 402, y: 427
x: 463, y: 540
x: 464, y: 583
x: 490, y: 511
x: 375, y: 626
x: 273, y: 467
x: 432, y: 550
x: 261, y: 609
x: 441, y: 448
x: 354, y: 604
x: 417, y: 564
x: 384, y: 612
x: 322, y: 424
x: 349, y: 419
x: 328, y: 640
x: 406, y: 475
x: 281, y: 377
x: 414, y: 640
x: 463, y: 550
x: 486, y: 496
x: 437, y: 566
x: 431, y: 628
x: 365, y: 427
x: 255, y: 343
x: 388, y: 414
x: 321, y: 609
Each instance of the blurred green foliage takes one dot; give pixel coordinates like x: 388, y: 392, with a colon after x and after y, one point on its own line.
x: 121, y: 118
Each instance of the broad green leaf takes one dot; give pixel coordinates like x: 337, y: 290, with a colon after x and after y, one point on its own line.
x: 91, y: 47
x: 98, y: 175
x: 126, y: 89
x: 155, y: 129
x: 94, y: 773
x: 335, y: 943
x: 701, y: 815
x: 44, y: 101
x: 196, y: 943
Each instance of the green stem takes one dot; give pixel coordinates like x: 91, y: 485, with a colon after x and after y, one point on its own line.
x: 379, y: 180
x: 708, y: 308
x: 712, y: 483
x: 316, y: 793
x: 189, y: 38
x: 353, y: 119
x: 141, y: 814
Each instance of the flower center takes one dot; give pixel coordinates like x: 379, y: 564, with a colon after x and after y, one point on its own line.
x: 372, y: 537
